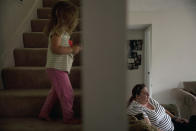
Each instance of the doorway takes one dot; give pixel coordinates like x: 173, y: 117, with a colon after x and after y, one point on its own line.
x: 142, y: 72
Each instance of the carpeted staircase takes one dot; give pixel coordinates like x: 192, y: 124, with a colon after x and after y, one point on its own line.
x: 26, y: 84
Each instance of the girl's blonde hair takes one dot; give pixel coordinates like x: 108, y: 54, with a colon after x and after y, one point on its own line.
x: 64, y: 18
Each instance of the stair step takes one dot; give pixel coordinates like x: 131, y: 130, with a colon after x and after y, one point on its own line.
x: 49, y: 3
x: 35, y: 57
x: 39, y: 40
x: 35, y: 40
x: 34, y: 124
x: 44, y: 13
x: 30, y: 56
x: 34, y: 78
x: 76, y: 37
x: 28, y: 103
x: 37, y: 25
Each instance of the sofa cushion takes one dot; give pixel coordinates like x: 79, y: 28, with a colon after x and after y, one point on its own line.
x: 132, y: 119
x: 141, y: 125
x: 172, y: 108
x: 139, y: 116
x: 190, y: 87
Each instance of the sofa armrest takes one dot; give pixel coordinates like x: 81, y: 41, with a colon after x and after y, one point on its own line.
x: 184, y: 92
x: 172, y: 108
x: 186, y: 102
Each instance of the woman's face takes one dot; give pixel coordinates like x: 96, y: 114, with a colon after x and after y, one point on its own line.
x: 143, y: 97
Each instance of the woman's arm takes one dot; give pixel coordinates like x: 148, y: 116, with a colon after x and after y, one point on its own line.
x: 147, y: 120
x: 170, y: 114
x: 181, y: 120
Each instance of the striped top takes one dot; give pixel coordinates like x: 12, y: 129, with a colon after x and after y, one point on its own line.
x: 61, y: 62
x: 158, y: 117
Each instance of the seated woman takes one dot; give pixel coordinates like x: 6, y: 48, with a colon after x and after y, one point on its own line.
x: 154, y: 114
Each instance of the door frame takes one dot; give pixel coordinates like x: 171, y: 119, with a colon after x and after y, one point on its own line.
x: 148, y: 58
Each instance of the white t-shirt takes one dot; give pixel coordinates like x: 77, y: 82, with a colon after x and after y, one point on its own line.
x: 61, y: 62
x: 158, y: 117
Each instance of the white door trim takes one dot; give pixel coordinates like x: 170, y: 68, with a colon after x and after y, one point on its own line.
x: 148, y: 57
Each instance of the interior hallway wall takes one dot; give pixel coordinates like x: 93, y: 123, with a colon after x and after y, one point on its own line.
x: 15, y: 19
x: 103, y: 70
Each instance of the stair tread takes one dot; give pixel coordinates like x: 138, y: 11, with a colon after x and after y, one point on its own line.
x: 38, y: 19
x: 44, y: 8
x: 49, y: 3
x: 29, y: 92
x: 40, y: 40
x: 43, y: 19
x: 33, y: 68
x: 33, y: 32
x: 37, y: 25
x: 43, y: 32
x: 30, y: 48
x: 32, y: 77
x: 28, y: 102
x: 32, y: 124
x: 35, y: 57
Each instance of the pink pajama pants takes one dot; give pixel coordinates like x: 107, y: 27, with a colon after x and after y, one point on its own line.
x: 61, y: 90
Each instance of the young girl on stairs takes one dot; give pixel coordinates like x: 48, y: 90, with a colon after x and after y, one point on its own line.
x: 64, y: 18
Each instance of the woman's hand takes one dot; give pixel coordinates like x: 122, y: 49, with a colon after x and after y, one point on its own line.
x: 181, y: 120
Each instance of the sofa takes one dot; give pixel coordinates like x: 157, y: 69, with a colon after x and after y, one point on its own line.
x: 137, y: 123
x: 186, y: 98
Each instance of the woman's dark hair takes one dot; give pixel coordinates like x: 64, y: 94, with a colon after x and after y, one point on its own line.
x: 136, y: 91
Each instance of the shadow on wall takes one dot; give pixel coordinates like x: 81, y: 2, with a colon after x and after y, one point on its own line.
x: 167, y: 98
x: 15, y: 16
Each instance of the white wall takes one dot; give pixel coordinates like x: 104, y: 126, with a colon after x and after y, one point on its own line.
x: 135, y: 76
x: 104, y: 30
x: 173, y: 43
x: 15, y: 19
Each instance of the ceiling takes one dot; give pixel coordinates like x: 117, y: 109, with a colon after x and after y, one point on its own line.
x: 138, y: 27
